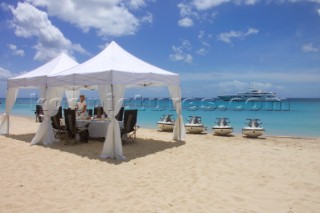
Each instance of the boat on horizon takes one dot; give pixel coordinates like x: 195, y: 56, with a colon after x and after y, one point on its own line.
x: 252, y: 95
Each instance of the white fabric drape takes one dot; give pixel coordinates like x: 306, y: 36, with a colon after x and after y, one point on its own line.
x: 72, y: 97
x: 42, y: 97
x: 50, y: 106
x: 112, y: 98
x: 179, y: 131
x: 43, y: 91
x: 12, y: 94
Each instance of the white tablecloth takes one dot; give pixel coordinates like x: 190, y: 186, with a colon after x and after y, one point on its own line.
x: 97, y: 128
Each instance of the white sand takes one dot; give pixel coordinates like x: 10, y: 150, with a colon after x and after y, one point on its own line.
x: 206, y: 173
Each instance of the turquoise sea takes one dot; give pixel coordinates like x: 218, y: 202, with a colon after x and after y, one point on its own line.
x: 290, y: 117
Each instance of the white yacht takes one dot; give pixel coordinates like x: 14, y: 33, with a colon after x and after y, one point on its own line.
x: 254, y: 95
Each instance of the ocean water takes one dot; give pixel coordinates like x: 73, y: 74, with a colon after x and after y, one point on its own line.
x: 289, y: 117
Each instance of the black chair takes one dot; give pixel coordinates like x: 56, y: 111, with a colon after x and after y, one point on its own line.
x: 119, y: 116
x: 89, y: 111
x: 98, y: 112
x: 39, y: 113
x: 60, y: 112
x: 72, y: 129
x: 128, y: 133
x: 58, y: 129
x: 70, y: 122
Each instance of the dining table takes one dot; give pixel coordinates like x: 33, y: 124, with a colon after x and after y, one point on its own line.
x: 98, y: 127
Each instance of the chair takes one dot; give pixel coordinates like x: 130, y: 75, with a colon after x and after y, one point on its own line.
x: 119, y: 116
x: 89, y: 111
x: 70, y: 122
x: 58, y: 129
x: 72, y: 129
x: 39, y: 113
x: 128, y: 133
x: 60, y: 112
x: 98, y: 112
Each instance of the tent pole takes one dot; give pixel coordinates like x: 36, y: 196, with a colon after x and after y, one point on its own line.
x: 112, y: 98
x: 8, y: 124
x: 179, y: 128
x: 179, y: 105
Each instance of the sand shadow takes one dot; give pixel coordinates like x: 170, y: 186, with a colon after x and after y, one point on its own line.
x: 164, y: 131
x: 23, y: 137
x: 254, y: 138
x: 92, y: 149
x: 202, y: 133
x: 145, y: 147
x: 224, y: 136
x: 141, y: 148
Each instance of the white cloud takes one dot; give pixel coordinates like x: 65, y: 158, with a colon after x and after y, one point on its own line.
x: 309, y: 47
x: 208, y: 4
x: 251, y: 31
x: 15, y: 51
x: 5, y: 74
x: 201, y: 5
x: 261, y: 85
x: 204, y: 39
x: 195, y: 8
x: 294, y: 1
x: 251, y: 2
x: 136, y: 4
x: 181, y: 53
x: 30, y: 22
x: 304, y: 76
x: 202, y: 51
x: 186, y: 10
x: 187, y: 15
x: 243, y: 86
x: 185, y: 22
x: 201, y: 34
x: 108, y: 18
x: 227, y: 36
x: 231, y: 86
x: 148, y: 18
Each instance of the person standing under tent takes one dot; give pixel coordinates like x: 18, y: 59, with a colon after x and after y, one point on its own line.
x: 82, y: 108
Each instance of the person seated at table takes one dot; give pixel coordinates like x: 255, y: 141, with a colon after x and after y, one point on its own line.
x: 82, y: 108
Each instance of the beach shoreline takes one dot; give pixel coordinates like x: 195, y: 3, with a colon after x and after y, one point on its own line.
x: 299, y: 120
x: 205, y: 173
x: 208, y: 131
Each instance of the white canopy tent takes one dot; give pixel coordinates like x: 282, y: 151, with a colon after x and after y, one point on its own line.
x: 111, y: 72
x: 36, y: 78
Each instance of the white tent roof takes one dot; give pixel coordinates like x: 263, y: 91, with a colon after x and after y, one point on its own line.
x: 114, y: 65
x: 37, y: 77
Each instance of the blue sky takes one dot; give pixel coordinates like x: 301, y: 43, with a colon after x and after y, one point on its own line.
x: 217, y: 46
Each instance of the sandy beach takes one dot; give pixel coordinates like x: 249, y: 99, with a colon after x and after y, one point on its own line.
x: 206, y: 173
